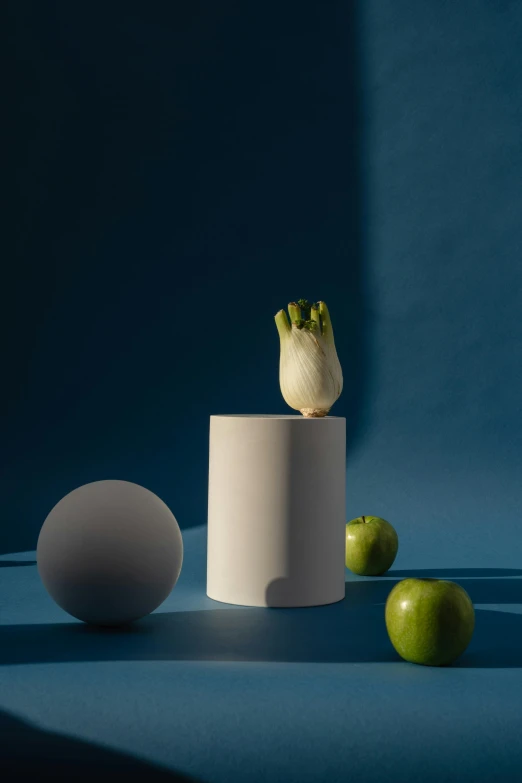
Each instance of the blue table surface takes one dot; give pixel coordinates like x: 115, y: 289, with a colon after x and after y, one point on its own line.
x: 210, y: 692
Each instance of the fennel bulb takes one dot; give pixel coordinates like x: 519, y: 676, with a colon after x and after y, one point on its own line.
x: 310, y: 374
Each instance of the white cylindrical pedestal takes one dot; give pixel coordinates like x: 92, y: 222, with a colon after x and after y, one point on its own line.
x: 276, y: 510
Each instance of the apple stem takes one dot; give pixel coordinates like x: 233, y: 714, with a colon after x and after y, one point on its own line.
x: 363, y: 519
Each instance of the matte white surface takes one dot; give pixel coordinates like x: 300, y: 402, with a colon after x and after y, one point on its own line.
x: 110, y: 552
x: 276, y: 510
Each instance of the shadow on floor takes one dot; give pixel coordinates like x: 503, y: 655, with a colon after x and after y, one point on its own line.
x: 456, y: 573
x: 352, y: 630
x: 496, y: 643
x: 15, y: 563
x: 482, y: 590
x: 30, y: 753
x: 336, y: 633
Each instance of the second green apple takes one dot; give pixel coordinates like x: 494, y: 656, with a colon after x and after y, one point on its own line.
x: 371, y: 545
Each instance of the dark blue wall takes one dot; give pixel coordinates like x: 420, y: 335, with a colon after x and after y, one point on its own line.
x: 178, y: 173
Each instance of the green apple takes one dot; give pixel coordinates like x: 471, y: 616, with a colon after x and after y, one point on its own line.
x: 371, y: 545
x: 429, y: 621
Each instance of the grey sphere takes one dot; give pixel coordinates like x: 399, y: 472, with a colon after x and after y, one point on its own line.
x: 109, y: 552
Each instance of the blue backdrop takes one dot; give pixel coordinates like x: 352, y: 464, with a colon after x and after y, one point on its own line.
x: 180, y: 171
